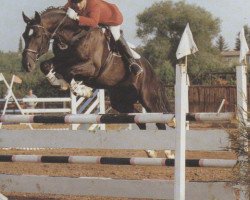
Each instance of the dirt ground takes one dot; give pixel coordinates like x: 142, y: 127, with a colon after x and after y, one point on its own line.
x: 118, y: 172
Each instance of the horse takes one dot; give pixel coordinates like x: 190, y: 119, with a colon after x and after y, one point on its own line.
x: 84, y: 54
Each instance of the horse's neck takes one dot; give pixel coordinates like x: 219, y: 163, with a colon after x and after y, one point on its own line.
x: 56, y: 21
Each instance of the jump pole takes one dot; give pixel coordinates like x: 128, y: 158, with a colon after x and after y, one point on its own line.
x: 180, y: 138
x: 114, y: 118
x: 225, y: 163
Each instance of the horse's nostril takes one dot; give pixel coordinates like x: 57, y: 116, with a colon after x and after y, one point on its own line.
x: 28, y: 67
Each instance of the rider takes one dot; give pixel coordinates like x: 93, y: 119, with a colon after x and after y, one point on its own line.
x: 93, y: 12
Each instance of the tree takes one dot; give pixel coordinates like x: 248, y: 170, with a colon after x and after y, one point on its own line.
x: 161, y: 27
x: 10, y: 63
x: 247, y: 35
x: 221, y: 44
x: 20, y: 46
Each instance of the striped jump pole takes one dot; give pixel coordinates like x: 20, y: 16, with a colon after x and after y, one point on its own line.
x: 117, y: 161
x: 113, y: 118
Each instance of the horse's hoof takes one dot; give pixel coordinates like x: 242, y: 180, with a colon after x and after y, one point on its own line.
x: 63, y: 85
x: 169, y: 154
x: 88, y: 94
x: 64, y: 88
x: 172, y: 123
x: 151, y: 153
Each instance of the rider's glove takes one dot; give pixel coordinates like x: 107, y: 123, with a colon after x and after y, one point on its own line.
x: 72, y: 14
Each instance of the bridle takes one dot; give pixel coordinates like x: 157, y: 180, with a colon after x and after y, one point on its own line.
x: 48, y: 35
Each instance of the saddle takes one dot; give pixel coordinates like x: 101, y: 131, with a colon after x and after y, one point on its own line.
x: 107, y: 33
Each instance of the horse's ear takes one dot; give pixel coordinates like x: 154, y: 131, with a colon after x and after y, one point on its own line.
x: 37, y: 17
x: 25, y: 18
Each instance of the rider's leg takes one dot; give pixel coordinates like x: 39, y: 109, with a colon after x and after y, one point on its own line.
x: 125, y: 50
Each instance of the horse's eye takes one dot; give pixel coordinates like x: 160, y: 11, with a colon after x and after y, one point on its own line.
x: 31, y: 31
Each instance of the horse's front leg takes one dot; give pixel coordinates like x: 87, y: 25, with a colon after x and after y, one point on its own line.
x: 48, y: 68
x: 86, y: 69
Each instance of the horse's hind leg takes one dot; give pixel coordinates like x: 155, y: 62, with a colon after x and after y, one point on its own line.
x: 149, y: 104
x: 124, y: 103
x: 161, y: 126
x: 128, y: 108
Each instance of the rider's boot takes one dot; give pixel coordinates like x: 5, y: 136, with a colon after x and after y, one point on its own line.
x: 57, y: 82
x: 125, y: 50
x: 79, y: 89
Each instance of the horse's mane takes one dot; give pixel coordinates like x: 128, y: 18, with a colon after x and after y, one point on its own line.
x: 51, y: 9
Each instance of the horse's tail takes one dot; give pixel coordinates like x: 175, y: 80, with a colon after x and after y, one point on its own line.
x: 163, y: 98
x: 158, y: 92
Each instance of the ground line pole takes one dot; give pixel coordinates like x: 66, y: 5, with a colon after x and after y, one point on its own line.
x: 180, y: 137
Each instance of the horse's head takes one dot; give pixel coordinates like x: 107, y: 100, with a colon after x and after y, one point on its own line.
x: 51, y: 24
x: 36, y: 39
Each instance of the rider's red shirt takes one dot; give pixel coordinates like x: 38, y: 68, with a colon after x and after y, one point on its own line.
x: 98, y: 12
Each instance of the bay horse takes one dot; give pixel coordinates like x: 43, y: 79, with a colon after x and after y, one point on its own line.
x: 88, y: 58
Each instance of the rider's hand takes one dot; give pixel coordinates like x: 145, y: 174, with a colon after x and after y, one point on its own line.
x: 72, y: 14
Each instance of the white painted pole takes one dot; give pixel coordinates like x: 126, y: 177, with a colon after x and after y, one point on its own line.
x: 187, y: 100
x: 241, y: 74
x: 221, y: 105
x: 180, y: 138
x: 45, y: 100
x: 9, y: 92
x: 2, y: 197
x: 73, y: 110
x: 101, y: 96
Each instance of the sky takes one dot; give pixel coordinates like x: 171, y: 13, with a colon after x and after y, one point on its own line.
x: 234, y: 14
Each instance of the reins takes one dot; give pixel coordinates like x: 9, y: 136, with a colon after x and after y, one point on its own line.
x: 46, y: 33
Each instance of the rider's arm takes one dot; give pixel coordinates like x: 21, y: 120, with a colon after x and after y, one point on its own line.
x: 93, y: 17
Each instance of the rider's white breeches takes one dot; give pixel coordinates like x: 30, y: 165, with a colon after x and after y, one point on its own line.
x: 116, y: 31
